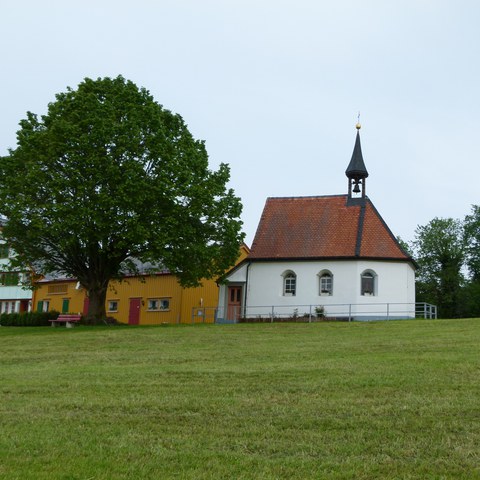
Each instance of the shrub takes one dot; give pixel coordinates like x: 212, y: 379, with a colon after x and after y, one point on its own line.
x: 27, y: 319
x: 320, y: 312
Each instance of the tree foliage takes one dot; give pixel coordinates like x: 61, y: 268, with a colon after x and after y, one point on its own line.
x: 109, y: 175
x: 472, y: 242
x: 448, y: 254
x: 440, y: 253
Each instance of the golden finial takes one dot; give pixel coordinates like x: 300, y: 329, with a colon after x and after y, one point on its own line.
x: 358, y: 126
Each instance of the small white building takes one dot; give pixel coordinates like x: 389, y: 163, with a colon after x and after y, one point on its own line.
x: 14, y: 298
x: 333, y: 253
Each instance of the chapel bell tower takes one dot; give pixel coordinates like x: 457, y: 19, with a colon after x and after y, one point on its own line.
x: 356, y: 172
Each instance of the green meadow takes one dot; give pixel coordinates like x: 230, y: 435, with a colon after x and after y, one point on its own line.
x: 393, y: 400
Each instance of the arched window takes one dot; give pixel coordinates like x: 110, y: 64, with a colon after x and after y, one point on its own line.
x: 325, y: 282
x: 368, y: 283
x: 289, y: 284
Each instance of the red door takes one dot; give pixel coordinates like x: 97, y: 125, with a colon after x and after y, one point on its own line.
x: 134, y: 312
x: 234, y: 303
x: 24, y: 306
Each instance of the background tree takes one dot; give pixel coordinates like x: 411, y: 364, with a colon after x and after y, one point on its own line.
x: 472, y: 242
x: 470, y: 300
x: 108, y: 175
x: 440, y: 253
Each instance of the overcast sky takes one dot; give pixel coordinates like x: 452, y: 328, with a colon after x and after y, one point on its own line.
x: 274, y: 88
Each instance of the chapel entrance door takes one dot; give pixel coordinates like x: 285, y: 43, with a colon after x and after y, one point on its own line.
x: 234, y: 303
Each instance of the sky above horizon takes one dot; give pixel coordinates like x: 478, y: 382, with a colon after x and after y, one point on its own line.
x: 274, y: 88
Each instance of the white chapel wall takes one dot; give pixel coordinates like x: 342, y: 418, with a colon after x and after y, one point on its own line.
x: 395, y: 284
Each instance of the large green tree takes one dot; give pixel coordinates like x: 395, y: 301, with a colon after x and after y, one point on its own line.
x: 108, y: 175
x: 470, y: 301
x: 440, y: 253
x: 472, y: 242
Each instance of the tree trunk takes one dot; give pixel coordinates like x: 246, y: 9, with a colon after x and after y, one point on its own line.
x: 96, y: 306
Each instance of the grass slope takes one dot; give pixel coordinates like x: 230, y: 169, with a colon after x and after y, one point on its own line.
x: 281, y: 401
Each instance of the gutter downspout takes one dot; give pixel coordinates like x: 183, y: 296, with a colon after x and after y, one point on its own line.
x: 246, y: 287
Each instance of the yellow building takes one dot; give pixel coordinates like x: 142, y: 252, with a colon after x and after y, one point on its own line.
x: 61, y: 294
x: 150, y: 299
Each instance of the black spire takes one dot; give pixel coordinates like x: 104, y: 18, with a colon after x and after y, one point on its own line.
x: 356, y: 170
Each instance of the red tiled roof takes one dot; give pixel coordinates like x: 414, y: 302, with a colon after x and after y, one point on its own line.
x: 323, y: 227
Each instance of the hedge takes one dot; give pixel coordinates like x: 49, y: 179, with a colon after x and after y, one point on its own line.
x: 27, y: 319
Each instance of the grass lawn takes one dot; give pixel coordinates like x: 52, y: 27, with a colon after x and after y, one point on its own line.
x: 397, y: 400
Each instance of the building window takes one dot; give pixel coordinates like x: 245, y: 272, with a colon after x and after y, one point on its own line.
x: 289, y: 284
x: 156, y: 304
x: 113, y: 305
x: 164, y: 304
x: 58, y: 288
x: 153, y: 304
x: 43, y: 306
x: 7, y: 307
x: 368, y: 283
x: 9, y: 278
x: 326, y: 283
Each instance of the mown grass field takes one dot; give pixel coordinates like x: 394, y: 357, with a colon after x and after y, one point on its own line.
x: 394, y: 400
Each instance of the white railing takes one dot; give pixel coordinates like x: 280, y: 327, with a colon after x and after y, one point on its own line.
x: 310, y: 313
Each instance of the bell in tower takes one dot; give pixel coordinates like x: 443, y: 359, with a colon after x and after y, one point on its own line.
x: 356, y: 171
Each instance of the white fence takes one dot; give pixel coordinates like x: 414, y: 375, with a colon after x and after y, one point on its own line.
x: 311, y: 313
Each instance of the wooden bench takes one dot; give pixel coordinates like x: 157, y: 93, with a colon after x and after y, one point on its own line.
x: 68, y: 319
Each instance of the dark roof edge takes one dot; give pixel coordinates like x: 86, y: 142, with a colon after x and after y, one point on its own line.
x: 361, y: 221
